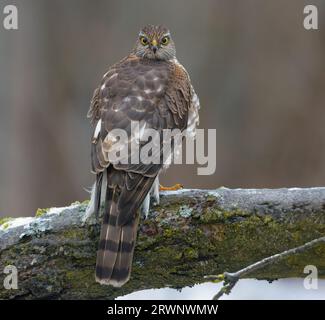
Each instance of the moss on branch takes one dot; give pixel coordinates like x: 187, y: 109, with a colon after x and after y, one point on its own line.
x: 192, y: 233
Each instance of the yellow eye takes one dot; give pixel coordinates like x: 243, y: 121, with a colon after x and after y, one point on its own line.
x: 165, y: 40
x: 144, y: 41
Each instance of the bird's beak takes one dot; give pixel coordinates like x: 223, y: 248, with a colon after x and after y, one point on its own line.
x: 154, y: 42
x: 154, y: 46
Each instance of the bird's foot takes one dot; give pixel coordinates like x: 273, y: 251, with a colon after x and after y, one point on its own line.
x: 175, y: 187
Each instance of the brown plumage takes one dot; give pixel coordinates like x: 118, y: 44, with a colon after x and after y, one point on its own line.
x: 151, y: 87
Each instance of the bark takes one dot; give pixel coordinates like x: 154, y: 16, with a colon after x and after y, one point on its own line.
x: 191, y: 233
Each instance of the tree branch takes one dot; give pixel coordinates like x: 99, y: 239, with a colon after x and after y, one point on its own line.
x: 231, y: 278
x: 192, y: 233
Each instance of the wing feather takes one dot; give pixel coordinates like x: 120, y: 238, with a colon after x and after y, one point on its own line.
x: 156, y: 93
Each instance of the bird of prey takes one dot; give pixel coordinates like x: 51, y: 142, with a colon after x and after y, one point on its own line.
x: 149, y: 86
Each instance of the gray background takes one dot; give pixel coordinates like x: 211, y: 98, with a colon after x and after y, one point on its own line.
x: 259, y: 75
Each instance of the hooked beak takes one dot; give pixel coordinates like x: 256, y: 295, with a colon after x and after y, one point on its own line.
x: 154, y: 45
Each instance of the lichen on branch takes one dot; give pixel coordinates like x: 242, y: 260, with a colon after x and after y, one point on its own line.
x: 191, y: 233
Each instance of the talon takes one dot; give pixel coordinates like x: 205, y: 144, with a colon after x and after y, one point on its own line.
x: 175, y: 187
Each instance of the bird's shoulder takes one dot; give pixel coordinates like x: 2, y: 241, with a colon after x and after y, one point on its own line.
x: 178, y: 70
x: 130, y: 82
x: 180, y: 92
x: 136, y: 73
x: 136, y: 85
x: 133, y: 68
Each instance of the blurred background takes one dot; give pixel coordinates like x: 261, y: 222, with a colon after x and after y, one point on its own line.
x: 259, y: 74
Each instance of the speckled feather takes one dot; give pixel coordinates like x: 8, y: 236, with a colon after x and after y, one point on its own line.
x: 158, y: 94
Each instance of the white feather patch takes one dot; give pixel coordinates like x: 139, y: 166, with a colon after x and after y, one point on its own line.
x: 98, y: 128
x: 160, y: 88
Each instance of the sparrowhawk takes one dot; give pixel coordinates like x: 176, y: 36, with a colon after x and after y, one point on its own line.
x: 149, y: 86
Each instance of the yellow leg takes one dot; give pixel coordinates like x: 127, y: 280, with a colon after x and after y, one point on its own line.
x: 175, y: 187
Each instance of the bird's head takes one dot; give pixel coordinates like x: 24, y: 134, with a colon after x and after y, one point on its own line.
x: 155, y: 42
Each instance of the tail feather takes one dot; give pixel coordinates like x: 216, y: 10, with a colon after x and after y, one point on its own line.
x: 116, y: 246
x: 109, y: 239
x: 120, y: 224
x: 122, y: 269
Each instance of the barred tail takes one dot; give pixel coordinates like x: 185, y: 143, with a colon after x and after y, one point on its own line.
x: 116, y: 245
